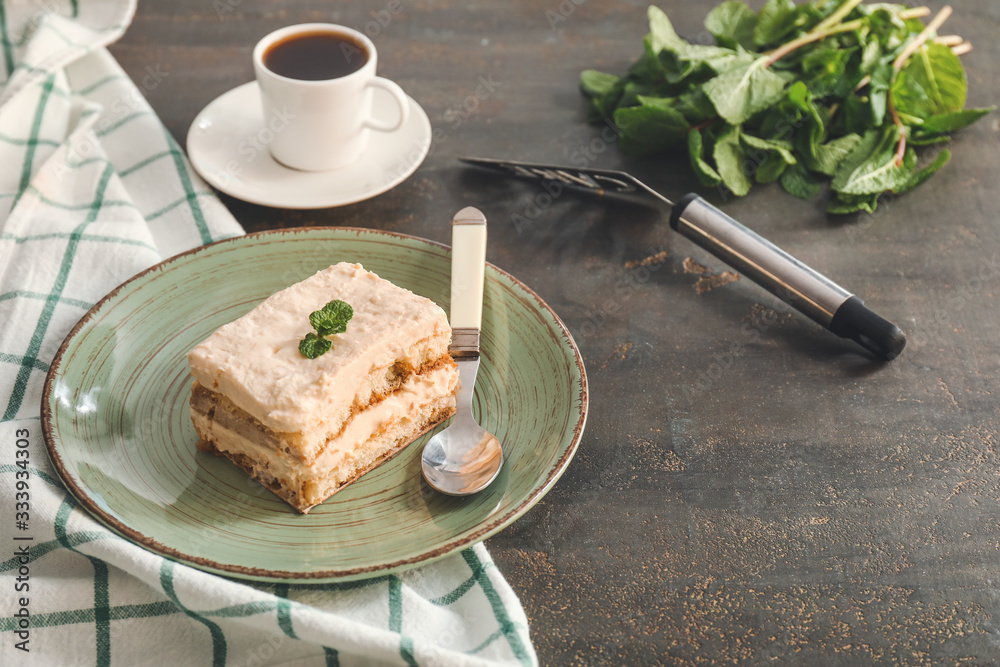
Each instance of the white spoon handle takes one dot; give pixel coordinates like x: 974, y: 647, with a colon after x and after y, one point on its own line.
x: 468, y: 268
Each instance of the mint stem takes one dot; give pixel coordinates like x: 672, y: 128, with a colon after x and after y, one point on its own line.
x: 809, y: 38
x: 924, y: 35
x: 703, y: 124
x: 901, y: 147
x: 898, y: 64
x: 914, y: 13
x: 837, y: 16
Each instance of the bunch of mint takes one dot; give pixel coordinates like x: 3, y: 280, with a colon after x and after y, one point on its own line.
x: 827, y: 90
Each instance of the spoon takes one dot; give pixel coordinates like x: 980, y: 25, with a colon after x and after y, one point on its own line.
x: 464, y: 458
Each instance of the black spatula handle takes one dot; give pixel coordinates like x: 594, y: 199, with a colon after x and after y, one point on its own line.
x: 790, y: 280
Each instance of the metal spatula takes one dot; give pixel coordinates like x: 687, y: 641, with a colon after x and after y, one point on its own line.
x: 769, y: 266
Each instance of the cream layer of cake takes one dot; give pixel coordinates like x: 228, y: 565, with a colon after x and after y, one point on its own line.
x: 367, y: 438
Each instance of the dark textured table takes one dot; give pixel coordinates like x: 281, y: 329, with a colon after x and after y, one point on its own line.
x: 749, y: 488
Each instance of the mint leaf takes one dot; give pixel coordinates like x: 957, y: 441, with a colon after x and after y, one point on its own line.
x: 770, y: 169
x: 953, y: 120
x: 783, y: 148
x: 313, y: 346
x: 871, y: 55
x: 871, y: 167
x: 597, y: 83
x: 878, y: 174
x: 663, y: 39
x: 332, y: 318
x: 707, y: 175
x: 871, y: 141
x: 605, y: 90
x: 775, y: 20
x: 878, y: 92
x: 918, y: 139
x: 827, y: 157
x: 824, y: 69
x: 632, y: 91
x: 329, y: 320
x: 798, y: 182
x: 732, y: 162
x: 695, y: 106
x: 651, y: 127
x: 844, y: 204
x: 674, y: 68
x: 799, y: 97
x: 716, y: 58
x: 918, y: 177
x: 653, y: 65
x: 933, y: 82
x: 742, y: 91
x: 661, y: 32
x: 732, y: 23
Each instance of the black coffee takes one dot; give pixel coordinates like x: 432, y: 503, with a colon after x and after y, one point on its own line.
x: 315, y: 56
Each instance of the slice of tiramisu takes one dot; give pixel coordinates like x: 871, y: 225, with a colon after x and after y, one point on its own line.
x: 306, y: 427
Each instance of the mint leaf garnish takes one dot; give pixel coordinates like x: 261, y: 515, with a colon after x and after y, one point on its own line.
x: 329, y: 320
x: 332, y: 318
x: 313, y: 346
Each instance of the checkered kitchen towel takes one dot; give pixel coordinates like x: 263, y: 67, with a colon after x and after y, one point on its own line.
x: 92, y: 190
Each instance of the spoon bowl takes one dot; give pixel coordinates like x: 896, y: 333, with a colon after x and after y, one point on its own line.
x: 462, y: 459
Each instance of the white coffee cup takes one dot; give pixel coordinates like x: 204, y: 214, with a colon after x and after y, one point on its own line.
x: 323, y: 124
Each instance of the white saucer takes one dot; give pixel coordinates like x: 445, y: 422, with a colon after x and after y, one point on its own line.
x: 227, y: 146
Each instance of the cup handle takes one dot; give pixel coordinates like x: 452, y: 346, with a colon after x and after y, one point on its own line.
x: 400, y: 97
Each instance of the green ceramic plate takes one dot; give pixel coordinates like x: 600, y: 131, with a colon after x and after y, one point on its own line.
x: 117, y: 426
